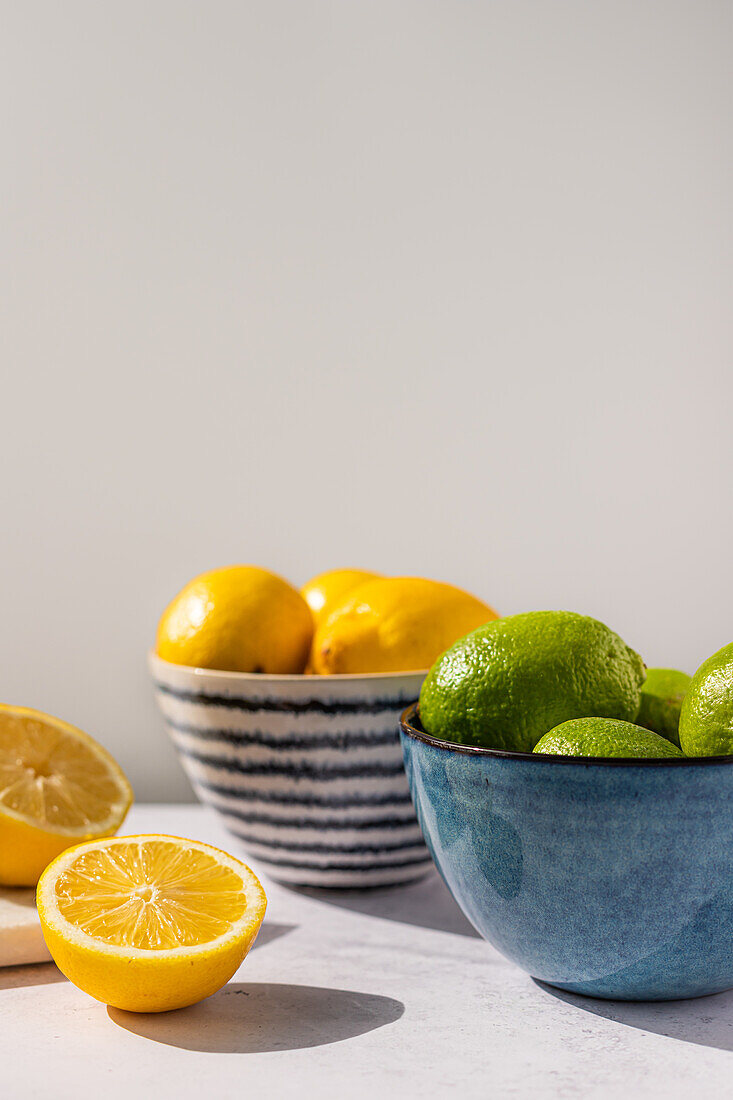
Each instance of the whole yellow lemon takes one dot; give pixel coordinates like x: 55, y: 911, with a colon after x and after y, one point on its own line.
x: 395, y: 624
x: 238, y: 619
x: 326, y: 591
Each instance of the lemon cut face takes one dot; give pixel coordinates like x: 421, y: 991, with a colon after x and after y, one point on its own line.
x: 150, y: 896
x: 53, y: 777
x: 57, y: 787
x: 149, y: 923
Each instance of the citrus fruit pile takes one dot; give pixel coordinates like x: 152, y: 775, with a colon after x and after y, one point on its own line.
x: 151, y: 923
x: 347, y: 621
x: 556, y: 682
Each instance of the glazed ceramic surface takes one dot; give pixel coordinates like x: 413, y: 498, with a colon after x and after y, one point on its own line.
x: 613, y: 879
x: 305, y: 770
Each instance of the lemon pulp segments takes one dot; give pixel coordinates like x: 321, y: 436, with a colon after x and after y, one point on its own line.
x: 57, y: 787
x: 150, y: 895
x: 50, y: 776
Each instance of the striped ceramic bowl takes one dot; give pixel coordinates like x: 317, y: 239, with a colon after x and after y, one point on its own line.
x: 306, y: 770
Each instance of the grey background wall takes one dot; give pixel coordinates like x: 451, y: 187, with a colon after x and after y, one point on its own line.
x: 438, y: 288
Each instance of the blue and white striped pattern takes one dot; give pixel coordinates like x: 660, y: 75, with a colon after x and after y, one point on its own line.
x: 306, y: 771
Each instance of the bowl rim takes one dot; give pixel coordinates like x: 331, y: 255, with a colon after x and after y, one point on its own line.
x: 411, y: 713
x: 283, y: 677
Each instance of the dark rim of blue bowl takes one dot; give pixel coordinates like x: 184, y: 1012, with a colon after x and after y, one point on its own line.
x: 412, y: 727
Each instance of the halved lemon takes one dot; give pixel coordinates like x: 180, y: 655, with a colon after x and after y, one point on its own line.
x: 57, y: 788
x: 149, y: 923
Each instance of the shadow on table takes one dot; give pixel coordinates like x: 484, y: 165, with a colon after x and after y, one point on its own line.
x: 16, y: 977
x: 426, y: 903
x: 252, y: 1018
x: 704, y: 1021
x: 271, y: 931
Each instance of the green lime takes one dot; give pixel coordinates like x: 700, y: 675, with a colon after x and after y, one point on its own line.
x: 604, y: 737
x: 512, y: 680
x: 706, y: 718
x: 661, y: 701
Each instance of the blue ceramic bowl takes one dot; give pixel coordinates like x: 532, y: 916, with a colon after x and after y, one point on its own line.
x: 612, y: 878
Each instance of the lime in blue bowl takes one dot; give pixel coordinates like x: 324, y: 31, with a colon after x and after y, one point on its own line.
x: 612, y: 878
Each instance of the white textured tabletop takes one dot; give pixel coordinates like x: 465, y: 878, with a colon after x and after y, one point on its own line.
x: 385, y: 993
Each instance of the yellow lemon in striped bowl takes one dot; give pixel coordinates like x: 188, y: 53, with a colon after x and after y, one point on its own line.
x: 394, y: 624
x: 326, y: 591
x: 237, y: 619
